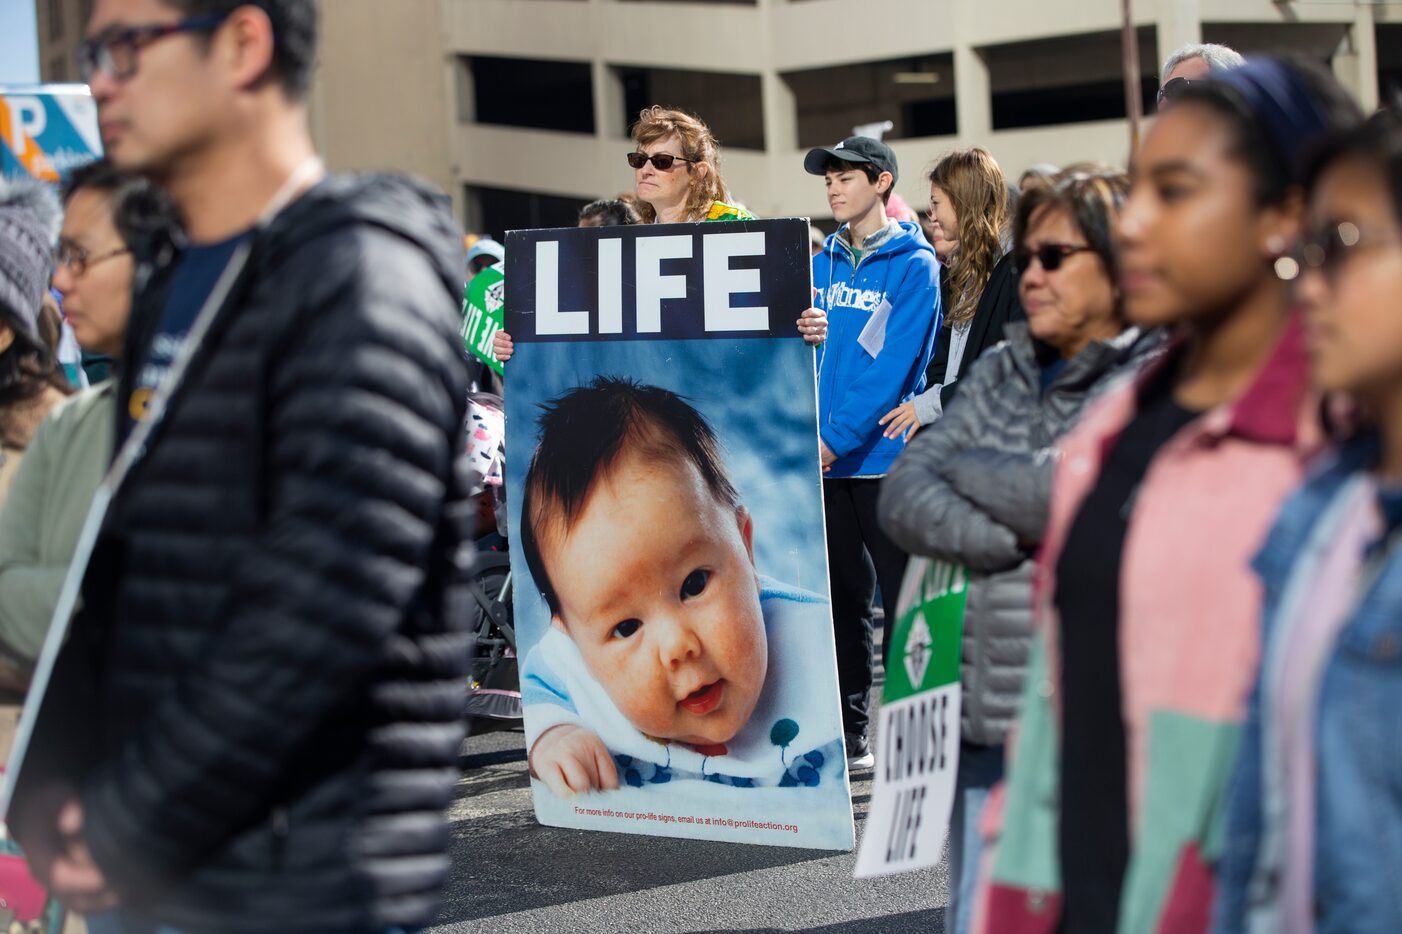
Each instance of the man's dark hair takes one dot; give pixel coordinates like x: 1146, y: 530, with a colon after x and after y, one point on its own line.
x: 872, y: 173
x: 294, y: 34
x: 610, y: 213
x: 582, y: 435
x: 141, y: 212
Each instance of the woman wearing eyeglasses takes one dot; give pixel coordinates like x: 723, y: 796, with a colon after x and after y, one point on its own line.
x: 1314, y: 825
x: 676, y: 174
x: 1146, y: 608
x: 48, y: 503
x: 973, y: 487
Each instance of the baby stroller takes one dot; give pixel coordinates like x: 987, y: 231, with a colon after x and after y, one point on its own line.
x: 494, y: 683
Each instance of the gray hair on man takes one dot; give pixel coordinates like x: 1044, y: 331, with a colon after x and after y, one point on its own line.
x: 1217, y: 57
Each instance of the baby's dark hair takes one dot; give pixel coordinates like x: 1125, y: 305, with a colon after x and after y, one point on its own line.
x: 582, y: 435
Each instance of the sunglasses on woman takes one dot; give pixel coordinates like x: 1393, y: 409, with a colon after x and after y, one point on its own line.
x: 1173, y: 89
x: 1327, y: 246
x: 663, y: 161
x: 1049, y: 255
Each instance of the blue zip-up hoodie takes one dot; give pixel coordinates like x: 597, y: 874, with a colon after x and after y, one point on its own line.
x: 856, y: 386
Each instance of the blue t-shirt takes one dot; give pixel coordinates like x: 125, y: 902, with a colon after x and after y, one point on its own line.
x: 197, y: 271
x: 1050, y: 371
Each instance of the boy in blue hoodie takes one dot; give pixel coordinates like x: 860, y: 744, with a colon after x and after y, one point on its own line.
x: 878, y: 281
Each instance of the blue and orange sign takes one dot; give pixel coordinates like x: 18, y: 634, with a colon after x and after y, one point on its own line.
x: 47, y: 130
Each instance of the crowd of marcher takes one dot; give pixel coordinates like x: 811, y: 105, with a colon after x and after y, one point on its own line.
x: 1157, y: 414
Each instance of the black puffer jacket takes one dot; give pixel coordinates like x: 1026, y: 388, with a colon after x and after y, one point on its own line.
x: 261, y: 701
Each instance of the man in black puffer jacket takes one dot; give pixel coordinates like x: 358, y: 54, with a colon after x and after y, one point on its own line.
x: 254, y: 723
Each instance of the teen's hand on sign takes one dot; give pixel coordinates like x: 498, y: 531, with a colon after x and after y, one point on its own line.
x: 829, y: 458
x: 74, y: 878
x: 503, y: 346
x: 813, y: 325
x: 35, y: 828
x: 572, y: 761
x: 903, y: 421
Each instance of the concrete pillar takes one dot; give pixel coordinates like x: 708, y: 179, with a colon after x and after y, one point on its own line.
x: 452, y: 117
x: 973, y: 96
x: 779, y: 112
x: 609, y: 119
x: 1355, y: 62
x: 1179, y: 24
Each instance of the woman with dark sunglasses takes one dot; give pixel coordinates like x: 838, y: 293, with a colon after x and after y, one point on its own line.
x: 973, y: 488
x: 1195, y: 62
x: 1146, y: 607
x: 676, y: 169
x: 1313, y: 839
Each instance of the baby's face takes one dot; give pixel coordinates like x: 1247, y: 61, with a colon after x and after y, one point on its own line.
x: 657, y: 588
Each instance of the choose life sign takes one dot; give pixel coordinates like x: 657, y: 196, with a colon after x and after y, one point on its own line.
x: 918, y: 743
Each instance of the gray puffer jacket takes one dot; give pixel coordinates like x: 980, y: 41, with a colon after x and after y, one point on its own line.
x: 974, y: 489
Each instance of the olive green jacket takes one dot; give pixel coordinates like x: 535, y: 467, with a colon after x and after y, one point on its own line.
x: 44, y: 513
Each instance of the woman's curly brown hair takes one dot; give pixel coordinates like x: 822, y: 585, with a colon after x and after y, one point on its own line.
x: 697, y: 143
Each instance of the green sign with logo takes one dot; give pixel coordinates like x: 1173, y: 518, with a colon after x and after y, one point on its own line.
x: 482, y: 318
x: 924, y: 652
x: 918, y: 739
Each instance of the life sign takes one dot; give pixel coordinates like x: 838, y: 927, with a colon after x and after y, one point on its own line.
x: 918, y: 742
x: 658, y: 282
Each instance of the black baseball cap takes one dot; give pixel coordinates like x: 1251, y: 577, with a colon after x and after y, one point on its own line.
x: 853, y: 149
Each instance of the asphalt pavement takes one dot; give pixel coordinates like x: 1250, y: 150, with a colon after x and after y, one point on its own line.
x: 510, y: 874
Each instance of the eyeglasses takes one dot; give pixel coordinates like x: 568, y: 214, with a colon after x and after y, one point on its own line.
x: 662, y: 160
x: 1327, y: 246
x: 1050, y: 255
x: 1172, y: 88
x: 114, y: 51
x: 79, y: 261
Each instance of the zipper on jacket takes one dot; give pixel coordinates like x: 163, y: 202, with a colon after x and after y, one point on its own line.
x: 846, y: 253
x: 837, y: 357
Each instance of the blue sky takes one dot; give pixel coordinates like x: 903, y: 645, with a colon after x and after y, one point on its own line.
x: 19, y: 53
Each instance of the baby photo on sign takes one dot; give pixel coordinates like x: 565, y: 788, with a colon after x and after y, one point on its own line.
x: 678, y: 673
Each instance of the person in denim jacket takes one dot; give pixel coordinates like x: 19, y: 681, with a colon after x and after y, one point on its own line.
x: 1314, y: 826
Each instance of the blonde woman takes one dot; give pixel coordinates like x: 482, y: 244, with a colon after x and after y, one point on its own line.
x: 676, y: 170
x: 969, y: 222
x: 677, y: 180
